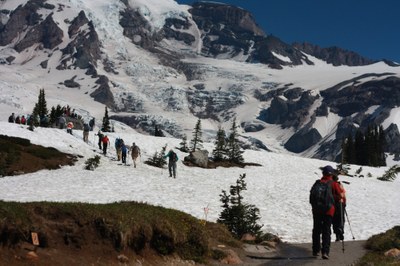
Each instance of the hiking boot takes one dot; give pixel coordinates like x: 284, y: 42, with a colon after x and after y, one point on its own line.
x: 325, y: 256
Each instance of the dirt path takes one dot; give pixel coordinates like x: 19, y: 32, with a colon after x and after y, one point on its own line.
x: 300, y: 254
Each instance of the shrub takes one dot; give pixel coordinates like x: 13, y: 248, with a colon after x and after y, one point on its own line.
x: 163, y: 240
x: 385, y: 241
x: 378, y: 244
x: 158, y: 159
x: 92, y: 163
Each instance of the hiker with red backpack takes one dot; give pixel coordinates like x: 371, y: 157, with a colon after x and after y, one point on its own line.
x: 173, y: 158
x: 323, y: 195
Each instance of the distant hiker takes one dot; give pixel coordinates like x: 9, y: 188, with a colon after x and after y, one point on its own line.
x: 17, y: 120
x: 322, y: 199
x: 62, y: 122
x: 86, y: 129
x: 44, y: 121
x: 124, y: 151
x: 11, y: 118
x: 173, y: 158
x: 135, y: 153
x: 340, y: 205
x: 23, y: 120
x: 91, y: 124
x: 158, y: 132
x: 105, y: 141
x: 70, y: 126
x: 100, y: 135
x: 118, y: 145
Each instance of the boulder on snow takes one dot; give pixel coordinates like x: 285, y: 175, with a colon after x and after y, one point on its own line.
x: 199, y: 158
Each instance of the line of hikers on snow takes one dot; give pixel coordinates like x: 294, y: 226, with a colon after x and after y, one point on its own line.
x: 328, y: 201
x: 60, y: 122
x: 122, y: 150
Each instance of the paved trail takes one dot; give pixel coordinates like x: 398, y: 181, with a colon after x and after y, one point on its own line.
x: 300, y: 254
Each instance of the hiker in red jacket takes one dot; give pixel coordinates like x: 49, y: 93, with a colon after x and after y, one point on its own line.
x: 105, y: 142
x: 340, y: 205
x: 323, y: 195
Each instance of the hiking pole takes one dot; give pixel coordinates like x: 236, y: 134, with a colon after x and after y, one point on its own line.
x: 342, y: 224
x: 348, y: 220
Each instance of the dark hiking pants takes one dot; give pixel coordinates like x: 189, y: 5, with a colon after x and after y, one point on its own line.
x: 105, y: 148
x: 172, y: 169
x: 338, y: 220
x: 322, y: 226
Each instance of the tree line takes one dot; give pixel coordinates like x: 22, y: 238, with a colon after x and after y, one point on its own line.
x: 365, y: 148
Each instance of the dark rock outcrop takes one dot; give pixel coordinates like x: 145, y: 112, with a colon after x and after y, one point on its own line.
x: 334, y: 55
x: 172, y: 30
x: 103, y: 93
x: 227, y: 29
x: 84, y: 49
x: 265, y: 48
x: 77, y: 23
x: 288, y: 113
x: 44, y: 63
x: 47, y: 33
x: 302, y: 140
x: 210, y: 14
x: 392, y: 136
x: 71, y: 83
x: 359, y: 97
x: 137, y: 29
x: 20, y: 18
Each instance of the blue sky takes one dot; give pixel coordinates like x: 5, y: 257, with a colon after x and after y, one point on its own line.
x: 368, y: 27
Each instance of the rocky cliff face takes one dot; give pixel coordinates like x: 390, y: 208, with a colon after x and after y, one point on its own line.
x: 333, y: 55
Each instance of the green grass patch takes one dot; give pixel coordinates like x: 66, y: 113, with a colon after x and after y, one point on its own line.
x: 378, y: 245
x: 124, y: 224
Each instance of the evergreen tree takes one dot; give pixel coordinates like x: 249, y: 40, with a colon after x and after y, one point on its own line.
x: 360, y: 148
x: 233, y: 149
x: 106, y: 122
x: 381, y: 146
x: 40, y: 109
x: 240, y: 218
x: 197, y: 141
x: 41, y: 104
x: 59, y: 111
x: 53, y: 115
x: 183, y: 146
x: 220, y: 146
x: 366, y: 149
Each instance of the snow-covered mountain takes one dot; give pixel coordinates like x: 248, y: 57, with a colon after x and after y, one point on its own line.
x: 158, y: 62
